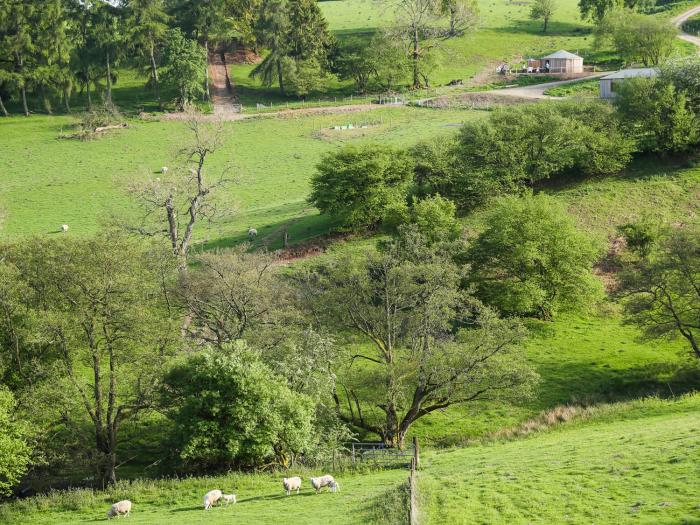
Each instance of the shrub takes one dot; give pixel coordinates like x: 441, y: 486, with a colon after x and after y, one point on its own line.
x: 532, y: 260
x: 356, y: 184
x: 433, y: 218
x: 231, y: 410
x: 15, y: 451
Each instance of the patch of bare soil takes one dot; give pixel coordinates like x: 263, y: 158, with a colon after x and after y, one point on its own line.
x: 242, y: 56
x: 609, y: 265
x: 311, y: 248
x: 477, y: 100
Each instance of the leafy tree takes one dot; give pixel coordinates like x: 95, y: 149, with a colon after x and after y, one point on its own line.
x: 176, y: 201
x: 297, y: 36
x: 356, y: 184
x: 392, y: 64
x: 184, y: 65
x: 85, y: 61
x: 684, y: 74
x: 595, y: 10
x: 17, y: 23
x: 429, y: 345
x: 109, y: 36
x: 9, y: 82
x: 462, y: 15
x: 543, y: 10
x: 661, y: 287
x: 230, y: 410
x: 103, y: 316
x: 637, y: 37
x: 657, y: 116
x: 15, y: 449
x: 432, y: 217
x: 517, y: 147
x: 147, y: 28
x: 356, y: 61
x: 532, y: 260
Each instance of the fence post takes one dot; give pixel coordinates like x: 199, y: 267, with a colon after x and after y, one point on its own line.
x: 416, y: 454
x: 412, y: 505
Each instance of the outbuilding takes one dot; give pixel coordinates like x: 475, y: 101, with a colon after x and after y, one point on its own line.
x: 562, y: 62
x: 609, y: 82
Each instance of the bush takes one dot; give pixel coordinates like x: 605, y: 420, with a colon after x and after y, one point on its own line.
x: 684, y: 74
x: 657, y: 116
x: 433, y: 218
x: 184, y: 66
x: 518, y: 147
x: 532, y: 260
x: 356, y: 184
x: 15, y: 451
x: 230, y: 410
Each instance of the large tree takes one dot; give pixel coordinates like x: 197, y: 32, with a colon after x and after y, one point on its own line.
x: 184, y: 64
x: 18, y: 21
x: 661, y: 287
x: 543, y: 10
x: 532, y: 259
x: 16, y: 452
x: 98, y: 306
x: 429, y: 345
x: 147, y: 27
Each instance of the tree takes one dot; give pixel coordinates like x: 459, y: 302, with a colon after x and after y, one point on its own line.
x: 532, y: 260
x: 543, y: 10
x: 230, y: 410
x: 230, y: 295
x: 184, y: 64
x: 15, y: 450
x: 419, y: 25
x: 432, y: 217
x: 429, y: 345
x: 657, y: 116
x: 297, y: 36
x: 595, y: 10
x: 356, y: 184
x: 518, y: 147
x: 684, y: 74
x: 182, y: 196
x: 661, y: 287
x: 147, y: 28
x: 109, y: 36
x: 17, y: 23
x: 356, y: 61
x: 102, y: 313
x: 637, y: 37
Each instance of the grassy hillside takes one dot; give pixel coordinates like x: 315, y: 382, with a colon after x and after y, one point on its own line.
x: 630, y: 463
x: 637, y: 463
x: 48, y: 182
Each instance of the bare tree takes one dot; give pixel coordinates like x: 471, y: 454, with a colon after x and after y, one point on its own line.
x: 421, y: 23
x: 183, y: 196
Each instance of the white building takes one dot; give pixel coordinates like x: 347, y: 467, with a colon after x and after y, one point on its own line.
x: 562, y: 62
x: 608, y: 82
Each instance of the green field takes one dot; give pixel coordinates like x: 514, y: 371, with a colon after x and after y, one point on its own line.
x: 631, y: 463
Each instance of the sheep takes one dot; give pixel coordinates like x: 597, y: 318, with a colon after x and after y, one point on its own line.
x: 291, y: 484
x: 252, y: 233
x: 323, y: 481
x: 212, y: 497
x: 119, y: 508
x: 64, y: 228
x: 229, y: 498
x: 334, y: 486
x: 164, y: 170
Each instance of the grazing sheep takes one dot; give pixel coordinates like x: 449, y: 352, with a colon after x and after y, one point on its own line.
x: 212, y: 497
x: 64, y: 228
x: 229, y: 498
x: 164, y: 170
x: 291, y: 484
x: 252, y: 233
x: 119, y: 508
x: 323, y: 481
x: 334, y: 486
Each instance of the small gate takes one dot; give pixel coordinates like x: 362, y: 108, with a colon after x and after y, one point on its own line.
x: 385, y: 455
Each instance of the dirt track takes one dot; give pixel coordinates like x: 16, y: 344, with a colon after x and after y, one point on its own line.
x: 682, y: 18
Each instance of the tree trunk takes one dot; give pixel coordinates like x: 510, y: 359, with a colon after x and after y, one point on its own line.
x: 154, y: 77
x: 206, y: 71
x: 3, y: 109
x: 453, y: 20
x: 416, y: 76
x: 45, y: 100
x: 109, y: 81
x: 24, y: 100
x: 279, y: 76
x: 87, y: 89
x: 546, y: 22
x: 66, y: 99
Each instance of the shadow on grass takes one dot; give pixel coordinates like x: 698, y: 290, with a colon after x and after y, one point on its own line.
x: 555, y: 29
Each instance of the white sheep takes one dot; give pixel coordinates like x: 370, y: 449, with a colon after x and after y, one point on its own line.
x: 323, y: 481
x: 212, y: 497
x: 252, y: 233
x: 119, y: 508
x: 64, y: 228
x: 334, y: 486
x: 164, y: 170
x: 291, y: 484
x: 229, y: 498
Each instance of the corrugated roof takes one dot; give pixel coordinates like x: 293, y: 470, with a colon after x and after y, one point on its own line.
x: 561, y: 54
x: 632, y: 73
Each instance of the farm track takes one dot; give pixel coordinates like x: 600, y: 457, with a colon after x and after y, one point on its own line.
x: 678, y: 21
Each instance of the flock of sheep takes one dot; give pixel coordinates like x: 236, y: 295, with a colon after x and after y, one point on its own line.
x: 123, y: 508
